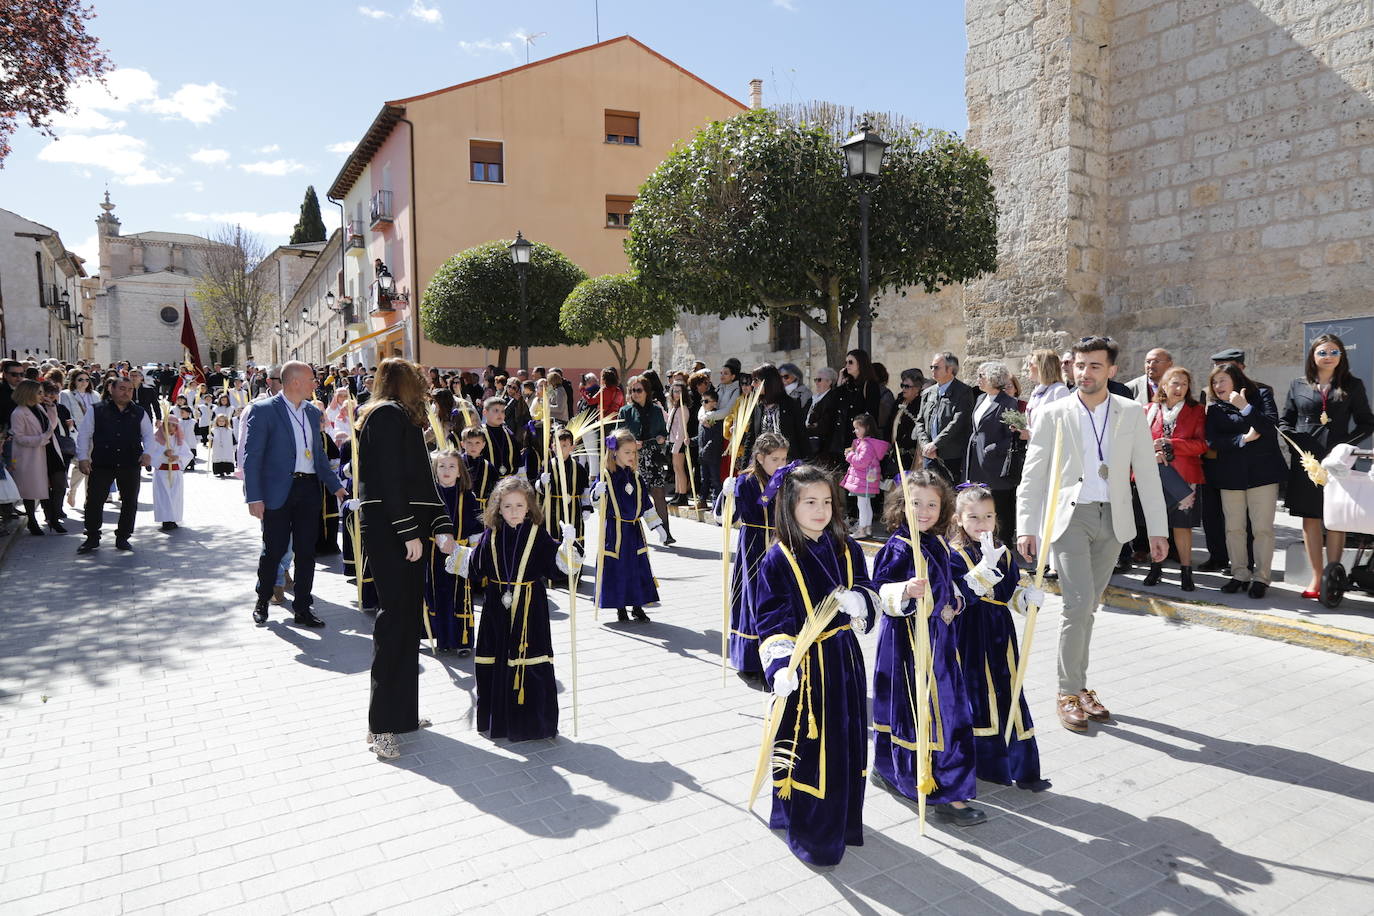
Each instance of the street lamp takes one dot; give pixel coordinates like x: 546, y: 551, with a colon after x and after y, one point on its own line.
x: 520, y: 257
x: 863, y: 160
x: 305, y: 316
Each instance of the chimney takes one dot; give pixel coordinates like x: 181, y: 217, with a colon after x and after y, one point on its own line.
x: 756, y: 93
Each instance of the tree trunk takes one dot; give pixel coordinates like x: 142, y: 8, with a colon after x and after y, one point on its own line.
x: 501, y: 358
x: 836, y: 346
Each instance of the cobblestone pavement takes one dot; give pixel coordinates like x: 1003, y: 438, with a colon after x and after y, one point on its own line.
x: 162, y: 754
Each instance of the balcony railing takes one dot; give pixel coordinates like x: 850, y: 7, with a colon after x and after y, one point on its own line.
x: 380, y: 301
x: 381, y: 209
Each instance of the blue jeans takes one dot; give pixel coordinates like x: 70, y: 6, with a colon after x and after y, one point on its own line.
x: 285, y: 564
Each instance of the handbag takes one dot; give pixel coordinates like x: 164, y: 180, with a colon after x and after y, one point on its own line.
x: 1176, y: 489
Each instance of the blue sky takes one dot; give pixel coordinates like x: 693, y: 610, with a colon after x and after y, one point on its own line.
x: 224, y: 112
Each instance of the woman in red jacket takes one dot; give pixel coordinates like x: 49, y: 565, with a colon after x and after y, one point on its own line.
x: 1179, y: 426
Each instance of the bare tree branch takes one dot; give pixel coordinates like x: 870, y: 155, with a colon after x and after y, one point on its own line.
x: 235, y: 298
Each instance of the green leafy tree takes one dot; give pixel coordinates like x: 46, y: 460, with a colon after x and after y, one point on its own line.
x: 612, y: 308
x: 473, y: 299
x: 310, y: 226
x: 755, y: 217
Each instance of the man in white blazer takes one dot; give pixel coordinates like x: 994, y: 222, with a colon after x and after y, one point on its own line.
x: 1106, y: 440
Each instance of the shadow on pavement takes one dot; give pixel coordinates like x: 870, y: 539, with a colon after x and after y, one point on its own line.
x: 679, y: 641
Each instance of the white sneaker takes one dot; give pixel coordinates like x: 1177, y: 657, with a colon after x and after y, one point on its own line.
x: 384, y: 745
x: 859, y: 531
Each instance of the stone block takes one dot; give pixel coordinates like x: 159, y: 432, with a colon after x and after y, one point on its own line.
x: 1209, y: 64
x: 1288, y: 235
x: 1173, y: 126
x: 1230, y: 163
x: 1277, y: 151
x: 1176, y: 43
x: 1240, y: 20
x: 1254, y: 212
x: 1318, y: 142
x: 1349, y: 225
x: 1214, y: 142
x: 1358, y: 133
x: 1350, y: 252
x: 1360, y: 193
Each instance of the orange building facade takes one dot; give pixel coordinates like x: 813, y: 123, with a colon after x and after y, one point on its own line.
x: 555, y: 149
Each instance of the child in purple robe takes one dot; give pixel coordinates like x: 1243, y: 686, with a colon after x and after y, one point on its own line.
x: 625, y: 578
x: 517, y: 694
x: 821, y: 750
x: 755, y: 533
x: 895, y: 745
x: 987, y: 642
x: 480, y: 471
x: 448, y: 598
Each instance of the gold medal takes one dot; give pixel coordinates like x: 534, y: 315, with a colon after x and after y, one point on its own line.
x: 1102, y: 471
x: 307, y: 454
x: 1325, y: 419
x: 507, y: 598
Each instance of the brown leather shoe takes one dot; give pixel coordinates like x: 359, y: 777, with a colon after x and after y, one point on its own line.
x: 278, y: 595
x: 1071, y: 714
x: 1088, y: 700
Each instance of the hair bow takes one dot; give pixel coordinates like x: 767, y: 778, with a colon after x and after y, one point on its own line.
x: 775, y: 482
x: 611, y: 442
x: 967, y: 484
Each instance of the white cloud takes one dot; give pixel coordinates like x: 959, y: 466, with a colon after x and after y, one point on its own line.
x: 430, y: 14
x: 199, y: 103
x: 280, y: 223
x: 341, y: 148
x: 487, y: 46
x: 371, y: 13
x: 269, y: 148
x: 121, y: 91
x: 275, y: 167
x: 122, y: 155
x: 210, y: 156
x: 89, y: 250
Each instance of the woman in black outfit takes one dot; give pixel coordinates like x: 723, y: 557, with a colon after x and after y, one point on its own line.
x: 907, y: 405
x: 860, y: 384
x: 401, y: 515
x: 1324, y: 408
x: 776, y: 413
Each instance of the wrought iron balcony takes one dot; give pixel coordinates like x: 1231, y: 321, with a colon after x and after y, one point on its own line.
x: 382, y: 215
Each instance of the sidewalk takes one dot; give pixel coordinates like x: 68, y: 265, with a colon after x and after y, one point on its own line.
x: 162, y: 755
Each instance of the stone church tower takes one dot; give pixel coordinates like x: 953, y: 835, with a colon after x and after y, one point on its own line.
x: 1186, y: 173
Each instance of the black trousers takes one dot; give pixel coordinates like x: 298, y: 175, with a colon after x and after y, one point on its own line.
x: 295, y: 522
x: 1004, y: 503
x: 394, y: 703
x: 128, y: 480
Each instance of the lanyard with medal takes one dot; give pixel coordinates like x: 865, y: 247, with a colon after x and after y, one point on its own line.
x: 305, y: 438
x: 1099, y: 436
x: 1325, y: 418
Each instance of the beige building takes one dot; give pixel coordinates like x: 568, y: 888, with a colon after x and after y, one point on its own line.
x: 1194, y: 174
x: 556, y: 149
x: 42, y: 305
x: 311, y: 325
x: 282, y: 272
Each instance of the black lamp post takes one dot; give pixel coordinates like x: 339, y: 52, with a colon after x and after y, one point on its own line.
x: 863, y: 160
x: 520, y: 257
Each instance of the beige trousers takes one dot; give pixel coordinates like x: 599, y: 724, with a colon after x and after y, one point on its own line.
x: 1084, y: 555
x: 1257, y: 504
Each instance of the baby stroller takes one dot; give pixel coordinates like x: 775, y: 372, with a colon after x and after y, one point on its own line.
x: 1348, y: 505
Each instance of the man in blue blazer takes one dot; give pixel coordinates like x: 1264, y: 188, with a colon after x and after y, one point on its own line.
x: 284, y: 466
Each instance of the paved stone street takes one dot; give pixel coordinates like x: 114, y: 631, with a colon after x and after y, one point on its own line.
x: 162, y: 754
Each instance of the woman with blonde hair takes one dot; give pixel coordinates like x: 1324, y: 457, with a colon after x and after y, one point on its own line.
x: 1046, y: 375
x: 400, y: 512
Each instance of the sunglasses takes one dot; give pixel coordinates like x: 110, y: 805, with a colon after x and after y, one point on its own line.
x: 636, y: 390
x: 907, y: 385
x: 1325, y: 353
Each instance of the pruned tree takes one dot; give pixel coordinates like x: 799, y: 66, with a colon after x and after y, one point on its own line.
x: 310, y: 226
x: 44, y: 49
x: 473, y: 299
x: 612, y: 308
x: 235, y: 299
x: 754, y: 217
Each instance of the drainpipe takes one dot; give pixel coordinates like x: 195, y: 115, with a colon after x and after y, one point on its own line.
x: 414, y: 269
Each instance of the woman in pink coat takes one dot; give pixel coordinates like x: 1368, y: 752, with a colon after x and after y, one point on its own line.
x: 864, y: 479
x: 32, y: 426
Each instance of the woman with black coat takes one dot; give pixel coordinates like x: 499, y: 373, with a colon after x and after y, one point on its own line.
x: 778, y: 413
x: 1246, y: 472
x: 1324, y: 408
x: 860, y: 384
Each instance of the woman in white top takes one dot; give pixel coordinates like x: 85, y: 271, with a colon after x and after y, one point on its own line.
x: 78, y: 397
x: 1045, y: 373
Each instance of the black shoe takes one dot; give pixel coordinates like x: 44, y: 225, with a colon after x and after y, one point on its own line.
x: 967, y: 816
x: 34, y: 528
x: 637, y: 613
x: 123, y: 544
x: 464, y: 653
x: 621, y: 616
x: 88, y: 546
x: 1257, y: 588
x: 669, y: 540
x: 1226, y: 571
x: 169, y: 526
x: 260, y: 613
x: 1122, y: 566
x: 56, y: 525
x: 1152, y: 577
x: 1185, y: 574
x: 1033, y: 785
x: 307, y: 618
x: 1230, y: 588
x: 1212, y: 566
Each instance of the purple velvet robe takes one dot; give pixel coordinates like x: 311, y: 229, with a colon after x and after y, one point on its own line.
x: 627, y: 580
x: 755, y: 532
x: 894, y: 681
x: 448, y: 598
x: 517, y: 694
x: 988, y: 654
x: 820, y: 802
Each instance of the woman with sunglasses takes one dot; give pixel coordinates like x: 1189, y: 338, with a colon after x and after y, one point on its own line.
x: 643, y: 417
x: 1324, y: 408
x: 78, y: 397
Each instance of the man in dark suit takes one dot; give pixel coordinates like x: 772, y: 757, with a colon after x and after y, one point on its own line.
x: 944, y: 421
x: 145, y: 395
x: 991, y: 444
x: 828, y: 422
x: 284, y: 464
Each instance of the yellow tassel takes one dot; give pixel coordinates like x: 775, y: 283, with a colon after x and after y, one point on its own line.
x: 785, y: 790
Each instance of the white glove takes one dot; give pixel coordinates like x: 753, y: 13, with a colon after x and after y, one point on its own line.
x: 1032, y: 596
x: 445, y: 543
x: 351, y: 505
x: 784, y: 682
x: 568, y: 532
x: 544, y: 480
x: 662, y: 534
x: 992, y: 554
x: 598, y: 490
x: 522, y: 473
x: 1337, y: 462
x: 852, y: 603
x: 727, y: 487
x: 457, y: 562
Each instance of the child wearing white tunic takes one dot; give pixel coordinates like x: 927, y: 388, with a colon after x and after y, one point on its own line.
x: 222, y: 448
x: 168, y: 483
